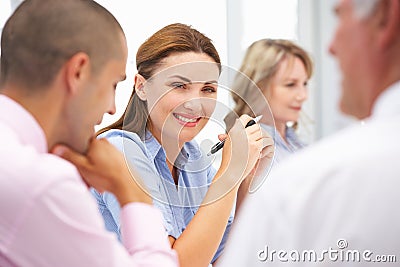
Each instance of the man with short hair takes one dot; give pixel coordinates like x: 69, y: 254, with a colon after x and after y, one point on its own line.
x: 60, y: 64
x: 336, y: 202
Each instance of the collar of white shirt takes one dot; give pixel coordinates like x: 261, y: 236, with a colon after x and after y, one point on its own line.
x: 388, y: 103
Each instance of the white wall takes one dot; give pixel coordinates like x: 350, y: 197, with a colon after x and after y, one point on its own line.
x: 5, y: 10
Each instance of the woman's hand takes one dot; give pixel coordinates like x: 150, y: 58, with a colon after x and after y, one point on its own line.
x: 267, y: 154
x: 243, y: 148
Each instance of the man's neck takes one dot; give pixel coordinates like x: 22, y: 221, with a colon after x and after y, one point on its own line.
x: 43, y: 107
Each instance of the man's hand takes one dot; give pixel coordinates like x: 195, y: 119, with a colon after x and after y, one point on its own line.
x: 105, y: 169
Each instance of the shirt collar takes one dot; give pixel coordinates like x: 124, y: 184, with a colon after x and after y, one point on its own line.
x: 293, y: 139
x: 152, y: 145
x: 22, y: 123
x: 387, y: 103
x: 293, y: 142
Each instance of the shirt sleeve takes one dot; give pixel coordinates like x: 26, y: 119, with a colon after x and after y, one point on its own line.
x: 134, y: 151
x: 70, y: 232
x: 152, y: 244
x: 210, y: 177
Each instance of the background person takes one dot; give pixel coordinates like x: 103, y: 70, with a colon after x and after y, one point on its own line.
x: 273, y: 80
x: 281, y: 70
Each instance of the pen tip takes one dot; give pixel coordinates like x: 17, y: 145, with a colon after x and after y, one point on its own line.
x: 208, y: 154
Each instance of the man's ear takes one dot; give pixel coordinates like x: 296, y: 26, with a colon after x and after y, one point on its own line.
x: 77, y: 71
x: 388, y: 22
x: 139, y: 87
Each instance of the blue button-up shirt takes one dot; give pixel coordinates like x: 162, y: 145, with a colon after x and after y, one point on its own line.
x: 284, y: 148
x: 178, y: 203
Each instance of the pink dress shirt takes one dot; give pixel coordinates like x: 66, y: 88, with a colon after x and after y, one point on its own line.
x: 49, y: 218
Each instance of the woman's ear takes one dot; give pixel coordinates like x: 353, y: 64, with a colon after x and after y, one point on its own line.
x: 139, y: 87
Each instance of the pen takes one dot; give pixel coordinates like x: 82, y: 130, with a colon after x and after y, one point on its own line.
x: 220, y: 144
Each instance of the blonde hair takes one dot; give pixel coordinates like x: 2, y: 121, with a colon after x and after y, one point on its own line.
x: 260, y: 64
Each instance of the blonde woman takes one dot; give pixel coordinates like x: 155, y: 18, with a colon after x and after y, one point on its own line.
x: 281, y: 70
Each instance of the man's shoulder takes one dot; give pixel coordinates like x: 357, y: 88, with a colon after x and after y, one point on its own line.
x: 31, y: 170
x: 26, y: 176
x: 354, y: 142
x: 361, y: 145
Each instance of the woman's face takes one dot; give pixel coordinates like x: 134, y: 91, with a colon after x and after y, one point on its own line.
x: 287, y: 91
x: 181, y: 95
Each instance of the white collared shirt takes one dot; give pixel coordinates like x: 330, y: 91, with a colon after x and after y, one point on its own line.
x: 333, y: 201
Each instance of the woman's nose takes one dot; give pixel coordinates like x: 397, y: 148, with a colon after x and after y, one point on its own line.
x: 302, y: 94
x: 193, y: 104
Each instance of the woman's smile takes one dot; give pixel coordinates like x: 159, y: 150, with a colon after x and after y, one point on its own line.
x: 187, y: 120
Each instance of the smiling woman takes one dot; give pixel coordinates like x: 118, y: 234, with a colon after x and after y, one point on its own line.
x: 175, y: 94
x: 280, y: 69
x: 167, y: 93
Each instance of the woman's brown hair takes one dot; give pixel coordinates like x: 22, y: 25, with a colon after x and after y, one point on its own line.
x: 174, y: 38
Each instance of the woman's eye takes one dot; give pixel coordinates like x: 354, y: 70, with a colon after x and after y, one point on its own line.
x: 290, y: 84
x: 209, y: 89
x: 179, y: 85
